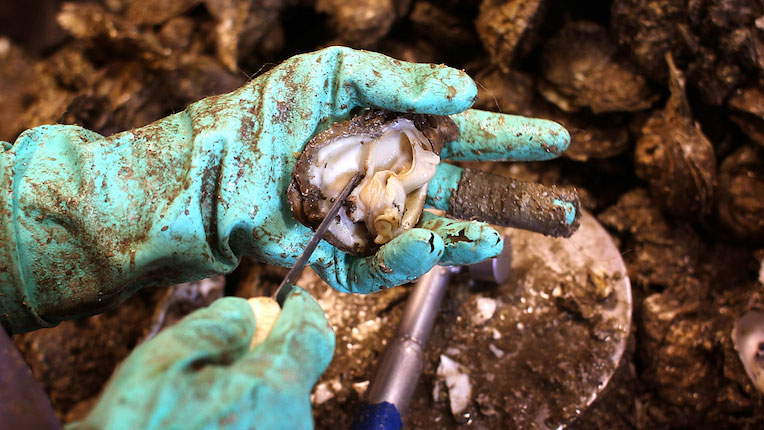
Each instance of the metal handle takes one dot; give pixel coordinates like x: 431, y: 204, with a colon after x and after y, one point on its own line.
x: 401, y: 363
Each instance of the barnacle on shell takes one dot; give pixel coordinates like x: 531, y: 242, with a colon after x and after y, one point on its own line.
x: 396, y: 154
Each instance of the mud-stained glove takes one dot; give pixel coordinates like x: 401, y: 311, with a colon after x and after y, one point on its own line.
x: 88, y: 220
x: 201, y: 374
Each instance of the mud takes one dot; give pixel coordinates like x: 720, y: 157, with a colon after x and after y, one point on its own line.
x: 553, y: 340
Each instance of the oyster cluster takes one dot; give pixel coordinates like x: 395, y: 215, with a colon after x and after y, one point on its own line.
x: 396, y: 155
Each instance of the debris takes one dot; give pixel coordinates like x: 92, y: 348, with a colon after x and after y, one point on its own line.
x: 360, y: 387
x: 496, y: 351
x: 458, y: 383
x: 321, y: 393
x: 486, y: 307
x: 603, y: 286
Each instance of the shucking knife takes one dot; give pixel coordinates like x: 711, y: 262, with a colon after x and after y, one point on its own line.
x: 282, y: 292
x: 267, y: 309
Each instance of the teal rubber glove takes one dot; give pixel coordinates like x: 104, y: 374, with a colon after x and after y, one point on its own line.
x: 90, y: 219
x: 200, y: 373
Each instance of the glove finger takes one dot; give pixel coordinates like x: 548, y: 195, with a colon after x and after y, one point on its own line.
x: 299, y: 347
x: 216, y: 334
x: 403, y: 259
x: 443, y: 185
x: 384, y: 82
x: 489, y: 136
x: 472, y: 194
x: 465, y: 242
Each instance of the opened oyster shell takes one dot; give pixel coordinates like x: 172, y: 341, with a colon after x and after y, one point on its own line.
x: 748, y: 339
x: 396, y: 154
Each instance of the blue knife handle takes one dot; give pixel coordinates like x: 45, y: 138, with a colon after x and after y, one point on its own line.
x: 379, y: 416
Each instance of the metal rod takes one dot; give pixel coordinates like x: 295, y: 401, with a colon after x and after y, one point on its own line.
x: 401, y: 362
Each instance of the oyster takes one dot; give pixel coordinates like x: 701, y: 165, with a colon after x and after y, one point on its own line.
x: 748, y: 339
x: 396, y: 154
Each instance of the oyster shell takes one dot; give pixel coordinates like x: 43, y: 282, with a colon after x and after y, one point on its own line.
x: 748, y: 338
x: 396, y: 154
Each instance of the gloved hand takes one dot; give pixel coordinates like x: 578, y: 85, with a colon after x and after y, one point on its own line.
x: 200, y: 373
x: 90, y: 219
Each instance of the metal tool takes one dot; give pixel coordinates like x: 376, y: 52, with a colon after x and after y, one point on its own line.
x: 282, y: 292
x: 400, y: 366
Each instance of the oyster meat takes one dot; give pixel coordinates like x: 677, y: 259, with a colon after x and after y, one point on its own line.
x: 396, y: 155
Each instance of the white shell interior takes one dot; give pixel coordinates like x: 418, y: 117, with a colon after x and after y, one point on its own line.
x: 748, y: 338
x: 397, y: 166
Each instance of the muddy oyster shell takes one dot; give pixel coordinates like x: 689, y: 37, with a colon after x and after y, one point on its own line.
x: 675, y: 157
x: 396, y: 154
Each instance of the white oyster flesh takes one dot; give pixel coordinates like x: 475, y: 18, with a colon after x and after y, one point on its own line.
x: 396, y: 168
x: 748, y: 338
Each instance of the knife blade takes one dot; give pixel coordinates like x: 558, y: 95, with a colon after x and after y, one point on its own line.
x: 282, y: 292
